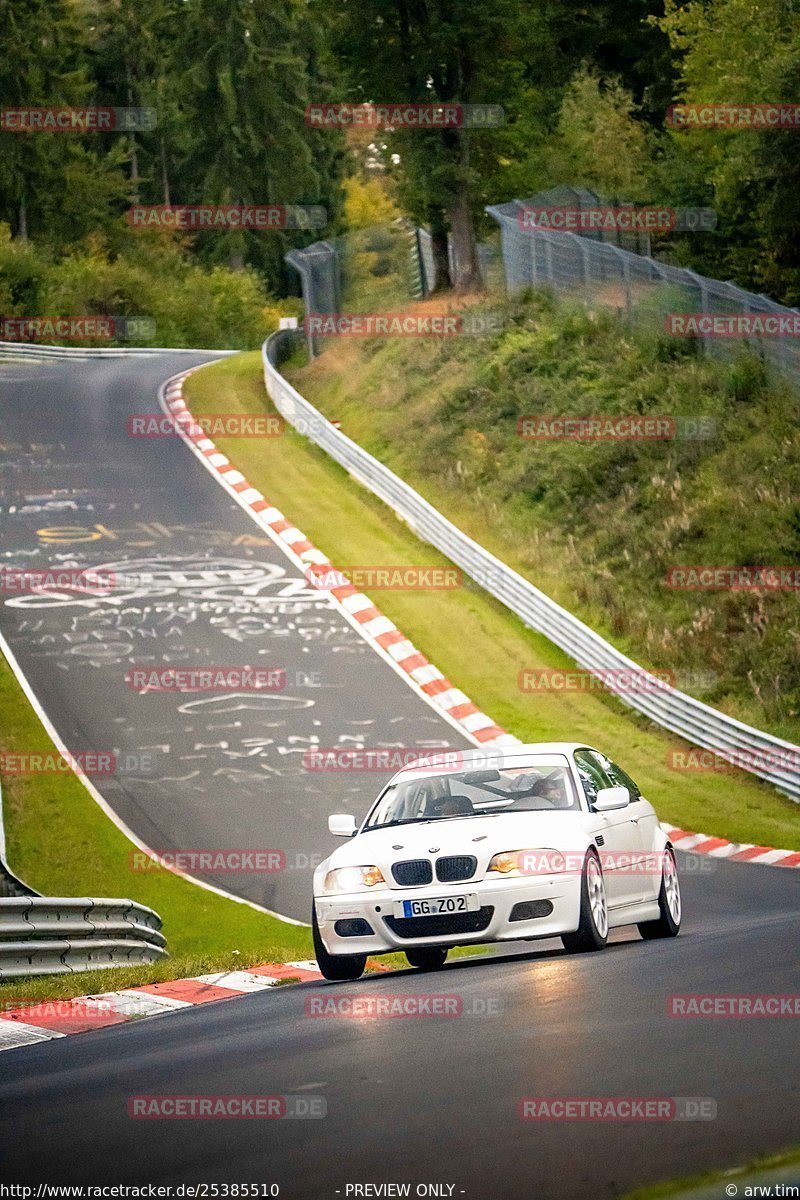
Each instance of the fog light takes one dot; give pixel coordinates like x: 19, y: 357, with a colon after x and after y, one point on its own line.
x: 353, y: 928
x: 528, y: 910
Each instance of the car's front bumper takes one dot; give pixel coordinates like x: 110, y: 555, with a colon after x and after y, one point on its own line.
x: 499, y: 894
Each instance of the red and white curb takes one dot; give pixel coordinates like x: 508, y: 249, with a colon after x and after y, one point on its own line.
x: 717, y: 847
x: 377, y: 629
x: 48, y: 1019
x: 387, y: 639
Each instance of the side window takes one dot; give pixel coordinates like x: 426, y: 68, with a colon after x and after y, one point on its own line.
x: 617, y: 776
x: 621, y: 778
x: 592, y: 775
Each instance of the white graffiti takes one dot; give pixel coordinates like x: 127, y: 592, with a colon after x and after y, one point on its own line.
x: 226, y: 582
x: 237, y: 702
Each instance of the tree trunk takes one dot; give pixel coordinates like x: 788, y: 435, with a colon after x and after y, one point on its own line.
x: 134, y: 151
x: 134, y: 170
x: 466, y: 273
x: 236, y: 251
x: 441, y: 259
x: 22, y: 231
x: 164, y: 175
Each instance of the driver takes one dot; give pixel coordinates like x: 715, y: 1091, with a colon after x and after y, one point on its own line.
x: 446, y: 806
x: 553, y: 790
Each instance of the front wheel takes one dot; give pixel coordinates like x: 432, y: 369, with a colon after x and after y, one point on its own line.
x: 592, y: 932
x: 336, y: 967
x: 669, y: 903
x: 427, y: 958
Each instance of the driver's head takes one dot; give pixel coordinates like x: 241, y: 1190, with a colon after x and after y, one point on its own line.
x: 449, y: 807
x: 553, y: 789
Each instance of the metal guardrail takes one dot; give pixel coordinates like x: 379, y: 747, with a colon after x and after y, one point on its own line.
x: 33, y: 350
x: 49, y: 935
x: 46, y: 935
x: 770, y: 758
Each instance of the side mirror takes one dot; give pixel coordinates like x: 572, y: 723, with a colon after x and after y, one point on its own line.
x: 344, y: 824
x: 608, y: 799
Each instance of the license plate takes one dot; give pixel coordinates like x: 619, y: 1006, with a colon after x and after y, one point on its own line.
x: 436, y: 906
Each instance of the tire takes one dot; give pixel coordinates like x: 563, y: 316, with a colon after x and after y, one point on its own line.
x: 427, y: 958
x: 592, y: 932
x: 669, y: 903
x: 336, y: 967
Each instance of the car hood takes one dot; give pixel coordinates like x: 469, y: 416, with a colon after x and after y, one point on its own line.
x: 481, y: 836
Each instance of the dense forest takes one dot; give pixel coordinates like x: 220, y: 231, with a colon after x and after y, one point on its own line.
x: 585, y: 89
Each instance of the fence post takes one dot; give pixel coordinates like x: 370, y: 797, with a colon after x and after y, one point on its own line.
x: 295, y: 259
x: 700, y: 282
x: 626, y: 276
x: 303, y: 262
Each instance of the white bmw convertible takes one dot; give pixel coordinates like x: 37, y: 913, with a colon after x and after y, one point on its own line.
x: 545, y: 840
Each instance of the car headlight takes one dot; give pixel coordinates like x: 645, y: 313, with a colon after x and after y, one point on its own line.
x: 352, y: 879
x: 528, y: 862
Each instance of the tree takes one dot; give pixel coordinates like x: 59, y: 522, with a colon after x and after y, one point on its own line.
x: 735, y: 52
x: 243, y: 95
x: 133, y: 59
x: 599, y: 143
x: 59, y: 185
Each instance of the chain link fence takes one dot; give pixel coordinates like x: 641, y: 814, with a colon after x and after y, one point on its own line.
x: 382, y: 268
x: 377, y: 270
x: 642, y: 289
x: 370, y: 270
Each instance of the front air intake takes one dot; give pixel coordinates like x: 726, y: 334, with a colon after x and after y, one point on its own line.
x: 415, y: 872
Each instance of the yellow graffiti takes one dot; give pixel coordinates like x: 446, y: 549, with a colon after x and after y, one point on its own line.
x: 143, y: 533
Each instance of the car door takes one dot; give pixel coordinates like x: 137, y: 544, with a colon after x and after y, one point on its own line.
x: 647, y: 821
x: 619, y: 830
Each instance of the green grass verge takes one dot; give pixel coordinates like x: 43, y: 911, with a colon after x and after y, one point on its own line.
x: 472, y: 638
x: 762, y: 1170
x: 62, y: 843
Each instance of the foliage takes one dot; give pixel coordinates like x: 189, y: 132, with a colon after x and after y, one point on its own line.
x: 190, y: 304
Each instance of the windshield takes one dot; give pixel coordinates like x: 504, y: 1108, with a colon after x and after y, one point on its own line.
x: 540, y: 785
